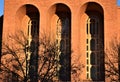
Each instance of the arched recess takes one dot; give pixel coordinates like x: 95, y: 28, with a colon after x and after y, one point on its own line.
x: 94, y: 32
x: 60, y: 15
x: 27, y: 21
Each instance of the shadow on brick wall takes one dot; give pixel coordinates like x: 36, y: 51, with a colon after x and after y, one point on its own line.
x: 1, y: 27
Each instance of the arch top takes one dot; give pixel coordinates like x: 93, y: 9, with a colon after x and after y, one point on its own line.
x: 31, y: 8
x: 28, y: 8
x: 93, y: 6
x: 60, y: 7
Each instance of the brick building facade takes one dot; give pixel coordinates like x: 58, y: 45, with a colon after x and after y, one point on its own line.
x: 84, y: 26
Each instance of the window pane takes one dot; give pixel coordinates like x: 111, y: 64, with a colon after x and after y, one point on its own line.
x: 92, y: 27
x: 62, y: 45
x: 96, y: 28
x: 98, y: 68
x: 94, y: 73
x: 92, y: 44
x: 92, y: 59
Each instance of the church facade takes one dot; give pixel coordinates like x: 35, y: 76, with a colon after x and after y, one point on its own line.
x: 83, y: 30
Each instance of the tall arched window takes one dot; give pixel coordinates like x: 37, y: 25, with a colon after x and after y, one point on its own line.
x: 32, y: 43
x: 63, y: 35
x: 63, y: 39
x: 94, y: 51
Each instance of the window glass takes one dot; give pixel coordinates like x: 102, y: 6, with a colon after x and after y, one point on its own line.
x: 92, y: 44
x: 94, y: 47
x: 62, y: 45
x: 92, y: 27
x: 63, y: 36
x: 94, y: 73
x: 96, y: 28
x: 92, y: 59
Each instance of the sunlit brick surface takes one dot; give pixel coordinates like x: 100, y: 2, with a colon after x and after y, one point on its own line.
x: 15, y: 19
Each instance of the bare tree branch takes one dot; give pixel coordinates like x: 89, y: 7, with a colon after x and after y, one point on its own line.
x: 112, y: 60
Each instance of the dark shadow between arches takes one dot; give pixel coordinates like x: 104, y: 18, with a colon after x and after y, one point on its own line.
x: 1, y: 28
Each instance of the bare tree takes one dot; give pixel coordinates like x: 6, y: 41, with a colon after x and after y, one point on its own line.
x: 13, y: 57
x: 76, y: 71
x: 48, y: 60
x: 16, y: 67
x: 113, y: 60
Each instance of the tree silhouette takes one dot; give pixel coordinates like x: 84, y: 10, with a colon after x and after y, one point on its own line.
x: 48, y: 60
x: 15, y: 66
x: 112, y: 62
x: 13, y: 57
x: 39, y: 62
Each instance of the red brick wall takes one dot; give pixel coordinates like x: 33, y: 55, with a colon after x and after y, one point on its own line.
x: 14, y: 12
